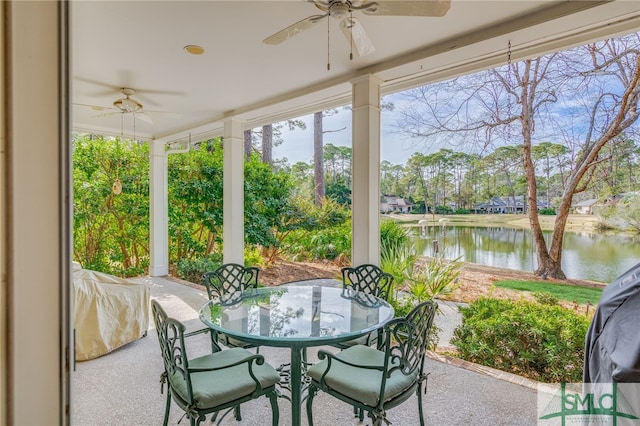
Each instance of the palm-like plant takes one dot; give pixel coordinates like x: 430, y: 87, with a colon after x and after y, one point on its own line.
x: 434, y: 279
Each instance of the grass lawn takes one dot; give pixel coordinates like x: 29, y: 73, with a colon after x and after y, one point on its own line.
x: 575, y: 222
x: 566, y: 292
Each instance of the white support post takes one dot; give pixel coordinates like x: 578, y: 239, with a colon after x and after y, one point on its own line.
x: 233, y: 192
x: 36, y: 353
x: 365, y: 245
x: 158, y: 210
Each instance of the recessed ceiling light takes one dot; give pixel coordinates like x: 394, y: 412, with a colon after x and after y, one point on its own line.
x: 194, y: 49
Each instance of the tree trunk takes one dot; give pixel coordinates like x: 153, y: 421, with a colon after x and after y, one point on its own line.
x: 247, y: 143
x: 267, y: 144
x: 549, y: 265
x: 318, y: 158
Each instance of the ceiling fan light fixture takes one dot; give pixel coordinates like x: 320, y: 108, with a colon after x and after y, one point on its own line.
x: 127, y: 105
x: 194, y: 49
x: 339, y: 10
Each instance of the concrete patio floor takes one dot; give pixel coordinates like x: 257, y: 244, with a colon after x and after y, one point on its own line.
x: 123, y: 387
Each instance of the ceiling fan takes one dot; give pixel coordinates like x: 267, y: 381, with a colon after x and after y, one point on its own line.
x: 342, y: 10
x: 128, y: 105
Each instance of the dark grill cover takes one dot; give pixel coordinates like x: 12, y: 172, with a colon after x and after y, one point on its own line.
x: 612, y: 347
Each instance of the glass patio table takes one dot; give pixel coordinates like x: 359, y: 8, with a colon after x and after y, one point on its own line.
x: 296, y: 317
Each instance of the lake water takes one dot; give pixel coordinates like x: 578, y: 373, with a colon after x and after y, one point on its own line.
x: 588, y: 256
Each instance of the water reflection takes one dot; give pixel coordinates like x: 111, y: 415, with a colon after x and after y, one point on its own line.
x: 297, y: 312
x: 586, y: 255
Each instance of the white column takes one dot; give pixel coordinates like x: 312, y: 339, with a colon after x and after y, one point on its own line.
x: 233, y: 192
x: 158, y: 210
x: 365, y: 246
x: 35, y: 353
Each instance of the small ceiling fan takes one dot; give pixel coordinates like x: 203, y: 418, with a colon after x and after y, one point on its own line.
x: 128, y: 105
x: 342, y: 10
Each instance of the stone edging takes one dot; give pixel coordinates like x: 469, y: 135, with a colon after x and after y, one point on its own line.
x: 487, y: 371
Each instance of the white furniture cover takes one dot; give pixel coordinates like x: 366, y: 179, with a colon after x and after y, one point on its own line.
x: 109, y: 312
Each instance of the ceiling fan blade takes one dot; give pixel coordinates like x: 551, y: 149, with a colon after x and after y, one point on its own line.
x: 351, y: 27
x: 116, y: 89
x: 407, y: 8
x: 292, y: 30
x: 93, y: 107
x: 142, y: 116
x: 107, y: 114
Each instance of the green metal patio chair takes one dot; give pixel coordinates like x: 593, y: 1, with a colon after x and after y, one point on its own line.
x: 371, y: 280
x: 208, y: 384
x: 375, y: 380
x: 228, y: 280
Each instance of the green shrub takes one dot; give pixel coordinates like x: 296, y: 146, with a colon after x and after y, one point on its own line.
x: 192, y: 269
x: 462, y: 211
x: 402, y: 306
x: 444, y: 210
x: 541, y: 342
x: 545, y: 298
x: 253, y: 257
x: 547, y: 212
x: 329, y: 243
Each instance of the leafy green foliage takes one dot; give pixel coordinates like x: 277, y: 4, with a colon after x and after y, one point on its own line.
x: 253, y: 257
x: 196, y: 208
x: 568, y: 292
x: 433, y: 279
x: 401, y: 306
x: 318, y: 232
x: 339, y: 193
x: 193, y: 269
x: 397, y: 254
x: 111, y: 231
x: 392, y: 234
x: 398, y: 259
x: 443, y: 210
x: 541, y: 342
x: 547, y: 212
x: 545, y: 298
x: 266, y: 196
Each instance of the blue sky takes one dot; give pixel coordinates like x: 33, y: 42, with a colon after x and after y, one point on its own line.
x: 298, y: 144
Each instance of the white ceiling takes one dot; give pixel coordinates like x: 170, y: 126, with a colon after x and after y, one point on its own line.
x: 139, y: 45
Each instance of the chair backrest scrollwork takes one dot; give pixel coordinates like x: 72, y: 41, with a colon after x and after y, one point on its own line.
x: 369, y: 279
x: 230, y: 278
x: 408, y: 338
x: 171, y: 338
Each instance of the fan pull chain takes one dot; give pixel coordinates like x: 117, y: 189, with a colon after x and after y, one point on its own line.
x: 351, y: 32
x: 328, y: 45
x: 116, y: 188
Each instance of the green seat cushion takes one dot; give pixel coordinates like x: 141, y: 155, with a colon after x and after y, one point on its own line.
x: 213, y: 388
x: 359, y: 383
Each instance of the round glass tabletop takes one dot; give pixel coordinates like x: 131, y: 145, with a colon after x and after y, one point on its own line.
x: 299, y: 315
